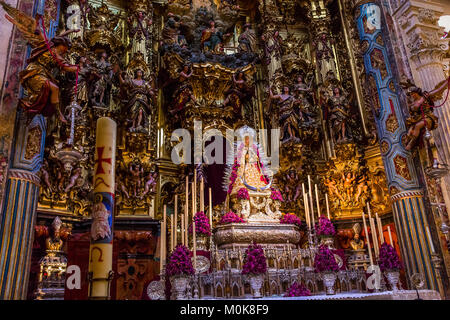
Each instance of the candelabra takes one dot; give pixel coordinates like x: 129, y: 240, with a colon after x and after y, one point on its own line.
x: 437, y: 171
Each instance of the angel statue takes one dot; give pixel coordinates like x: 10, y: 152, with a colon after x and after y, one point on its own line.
x: 42, y: 88
x: 249, y: 169
x: 340, y: 116
x: 420, y: 105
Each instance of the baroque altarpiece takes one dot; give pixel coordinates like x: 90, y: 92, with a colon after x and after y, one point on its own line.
x: 318, y: 71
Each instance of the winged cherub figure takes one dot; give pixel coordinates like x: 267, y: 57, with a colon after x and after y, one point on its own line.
x: 40, y: 85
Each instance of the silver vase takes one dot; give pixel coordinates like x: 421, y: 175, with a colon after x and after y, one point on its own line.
x: 256, y: 282
x: 329, y: 278
x: 393, y: 277
x: 179, y: 286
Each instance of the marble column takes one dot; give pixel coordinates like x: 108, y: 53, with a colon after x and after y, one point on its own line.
x: 425, y: 51
x: 19, y: 210
x: 404, y: 186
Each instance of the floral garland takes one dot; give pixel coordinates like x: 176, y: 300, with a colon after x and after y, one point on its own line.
x: 388, y: 259
x: 325, y: 227
x: 325, y: 261
x: 179, y: 262
x: 276, y: 195
x: 202, y: 225
x: 231, y: 217
x: 243, y: 194
x: 233, y: 176
x: 297, y: 290
x: 291, y: 218
x: 254, y: 260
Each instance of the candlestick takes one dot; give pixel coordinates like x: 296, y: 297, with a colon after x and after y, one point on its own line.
x: 390, y: 237
x: 380, y: 228
x: 210, y: 208
x: 161, y: 254
x: 430, y: 240
x: 317, y: 200
x: 328, y: 207
x: 367, y: 239
x: 176, y: 221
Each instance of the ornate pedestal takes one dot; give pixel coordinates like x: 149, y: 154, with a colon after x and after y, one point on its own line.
x: 243, y: 234
x: 359, y: 259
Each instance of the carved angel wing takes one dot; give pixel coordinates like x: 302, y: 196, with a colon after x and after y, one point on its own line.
x: 26, y: 24
x: 441, y: 87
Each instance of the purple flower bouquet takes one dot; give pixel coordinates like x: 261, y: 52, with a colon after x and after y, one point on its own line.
x: 389, y: 260
x: 243, y: 194
x: 325, y: 227
x: 291, y: 218
x: 325, y: 261
x: 254, y: 260
x: 231, y: 217
x: 179, y: 262
x: 276, y: 195
x: 202, y: 226
x: 297, y: 290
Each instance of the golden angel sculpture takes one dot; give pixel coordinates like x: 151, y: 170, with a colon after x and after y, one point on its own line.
x: 420, y: 105
x: 42, y: 89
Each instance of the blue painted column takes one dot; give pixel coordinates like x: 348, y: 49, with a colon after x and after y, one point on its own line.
x: 18, y: 214
x: 21, y: 195
x: 406, y: 192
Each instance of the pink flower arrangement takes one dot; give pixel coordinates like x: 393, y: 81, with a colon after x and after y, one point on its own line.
x: 276, y: 195
x: 325, y: 227
x: 233, y: 176
x: 201, y: 224
x: 297, y: 290
x: 325, y: 261
x: 291, y: 218
x: 243, y: 194
x: 389, y: 259
x: 179, y: 262
x: 231, y: 217
x: 254, y: 260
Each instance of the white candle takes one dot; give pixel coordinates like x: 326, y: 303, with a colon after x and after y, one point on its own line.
x: 182, y: 229
x: 171, y: 233
x: 175, y: 240
x: 305, y: 203
x: 430, y: 240
x: 194, y: 244
x: 367, y: 239
x: 328, y: 207
x: 317, y: 200
x: 380, y: 228
x: 390, y: 237
x: 193, y: 201
x: 374, y: 235
x: 163, y: 234
x: 210, y: 208
x: 194, y: 188
x: 202, y: 196
x: 186, y: 213
x: 311, y: 202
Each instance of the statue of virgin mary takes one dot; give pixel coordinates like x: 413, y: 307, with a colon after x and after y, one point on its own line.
x: 248, y: 167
